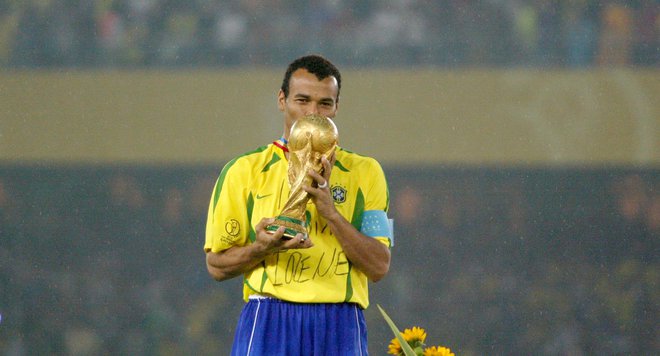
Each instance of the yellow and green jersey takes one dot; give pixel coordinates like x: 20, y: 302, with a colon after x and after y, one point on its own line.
x: 256, y: 186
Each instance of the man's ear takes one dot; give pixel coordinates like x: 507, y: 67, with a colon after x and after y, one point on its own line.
x: 281, y: 100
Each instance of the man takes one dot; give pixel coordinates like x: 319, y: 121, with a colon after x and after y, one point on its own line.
x: 304, y: 295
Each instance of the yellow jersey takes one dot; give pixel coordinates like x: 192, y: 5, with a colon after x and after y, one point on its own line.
x: 255, y: 186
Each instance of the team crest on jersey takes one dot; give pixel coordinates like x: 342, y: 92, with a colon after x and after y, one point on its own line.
x: 338, y: 194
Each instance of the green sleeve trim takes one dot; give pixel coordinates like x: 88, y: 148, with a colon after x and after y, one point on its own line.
x: 223, y: 174
x: 250, y: 206
x: 341, y: 167
x: 387, y: 201
x: 273, y: 160
x: 221, y: 181
x: 356, y: 219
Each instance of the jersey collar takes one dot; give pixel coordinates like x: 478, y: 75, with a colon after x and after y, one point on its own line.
x: 281, y: 143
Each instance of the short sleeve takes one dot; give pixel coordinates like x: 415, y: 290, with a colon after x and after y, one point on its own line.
x: 227, y: 222
x: 377, y: 194
x: 374, y: 218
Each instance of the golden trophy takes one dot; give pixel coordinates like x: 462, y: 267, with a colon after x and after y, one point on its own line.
x: 311, y: 138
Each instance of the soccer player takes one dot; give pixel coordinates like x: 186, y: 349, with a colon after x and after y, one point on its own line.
x: 306, y: 295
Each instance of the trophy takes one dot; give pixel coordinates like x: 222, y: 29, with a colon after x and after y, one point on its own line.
x: 311, y: 138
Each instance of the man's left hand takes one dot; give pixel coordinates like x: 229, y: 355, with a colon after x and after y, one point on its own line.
x: 321, y: 196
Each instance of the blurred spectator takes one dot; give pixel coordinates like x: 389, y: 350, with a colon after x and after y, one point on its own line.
x: 653, y: 214
x: 525, y: 25
x: 393, y: 34
x: 111, y: 35
x: 228, y: 35
x: 646, y: 50
x: 409, y: 206
x: 628, y: 229
x: 550, y: 46
x: 616, y: 34
x: 32, y: 44
x: 126, y: 224
x: 581, y: 33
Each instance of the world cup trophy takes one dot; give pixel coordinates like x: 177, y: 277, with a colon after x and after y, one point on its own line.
x: 311, y: 138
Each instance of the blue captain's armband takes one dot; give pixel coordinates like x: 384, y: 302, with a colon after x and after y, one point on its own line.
x: 376, y: 224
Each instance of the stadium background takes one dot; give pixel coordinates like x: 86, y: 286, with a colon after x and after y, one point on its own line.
x: 520, y: 141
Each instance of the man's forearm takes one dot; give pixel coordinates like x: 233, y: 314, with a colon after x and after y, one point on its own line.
x: 237, y: 260
x: 233, y: 262
x: 367, y: 254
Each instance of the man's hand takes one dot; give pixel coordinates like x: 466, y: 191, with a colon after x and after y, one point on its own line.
x: 271, y: 242
x: 237, y: 260
x: 321, y: 196
x: 367, y: 254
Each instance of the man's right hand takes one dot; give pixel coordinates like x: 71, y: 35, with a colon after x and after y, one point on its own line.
x: 272, y: 242
x: 237, y: 260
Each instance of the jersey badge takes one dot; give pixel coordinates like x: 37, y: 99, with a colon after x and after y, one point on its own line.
x: 233, y: 227
x: 338, y: 194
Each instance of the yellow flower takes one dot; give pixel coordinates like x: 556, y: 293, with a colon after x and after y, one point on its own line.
x: 395, y: 347
x: 415, y: 338
x: 414, y: 334
x: 437, y: 351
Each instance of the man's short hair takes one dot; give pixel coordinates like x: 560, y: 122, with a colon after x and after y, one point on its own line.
x: 315, y: 64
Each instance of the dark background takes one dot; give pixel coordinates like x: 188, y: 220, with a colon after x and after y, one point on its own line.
x: 488, y: 260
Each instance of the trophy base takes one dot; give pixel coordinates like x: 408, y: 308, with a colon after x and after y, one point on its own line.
x: 292, y: 227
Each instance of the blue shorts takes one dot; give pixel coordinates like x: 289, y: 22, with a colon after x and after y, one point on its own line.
x: 270, y: 326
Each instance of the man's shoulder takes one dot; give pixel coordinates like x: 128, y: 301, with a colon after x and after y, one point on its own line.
x: 252, y: 158
x: 349, y: 160
x: 256, y: 154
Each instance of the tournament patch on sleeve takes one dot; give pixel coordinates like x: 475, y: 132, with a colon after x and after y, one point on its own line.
x: 376, y: 224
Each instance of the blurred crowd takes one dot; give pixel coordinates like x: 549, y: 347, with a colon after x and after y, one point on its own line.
x: 214, y: 33
x: 105, y: 263
x: 109, y: 260
x: 529, y: 262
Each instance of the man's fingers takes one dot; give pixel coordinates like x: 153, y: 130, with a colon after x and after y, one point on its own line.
x: 279, y: 232
x: 322, y: 181
x: 264, y: 223
x: 328, y: 163
x: 300, y: 241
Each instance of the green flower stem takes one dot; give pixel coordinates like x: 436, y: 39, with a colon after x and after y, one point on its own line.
x: 407, y: 350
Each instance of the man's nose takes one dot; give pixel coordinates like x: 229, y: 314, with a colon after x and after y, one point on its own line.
x: 312, y: 109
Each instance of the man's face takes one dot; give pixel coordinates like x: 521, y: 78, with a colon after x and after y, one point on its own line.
x: 308, y: 95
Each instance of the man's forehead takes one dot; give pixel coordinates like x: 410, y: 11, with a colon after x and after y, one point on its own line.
x: 304, y: 74
x: 308, y: 84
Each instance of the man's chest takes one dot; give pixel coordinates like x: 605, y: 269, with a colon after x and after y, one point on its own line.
x: 271, y: 192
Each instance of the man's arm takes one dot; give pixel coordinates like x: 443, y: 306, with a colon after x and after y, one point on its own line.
x: 367, y: 254
x: 232, y: 262
x: 237, y: 260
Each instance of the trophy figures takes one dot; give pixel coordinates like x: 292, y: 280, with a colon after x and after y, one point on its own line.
x: 311, y: 138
